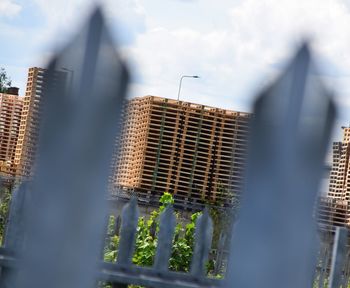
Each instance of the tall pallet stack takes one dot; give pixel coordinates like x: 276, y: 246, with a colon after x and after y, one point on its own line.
x: 29, y: 126
x: 339, y: 182
x: 10, y: 117
x: 193, y: 151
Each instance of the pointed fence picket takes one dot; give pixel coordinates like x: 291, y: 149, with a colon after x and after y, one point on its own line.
x: 130, y: 216
x: 203, y: 237
x: 165, y: 239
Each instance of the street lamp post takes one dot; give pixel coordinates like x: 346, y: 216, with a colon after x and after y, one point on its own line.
x: 182, y: 77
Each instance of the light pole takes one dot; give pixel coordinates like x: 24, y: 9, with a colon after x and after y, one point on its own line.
x: 182, y: 77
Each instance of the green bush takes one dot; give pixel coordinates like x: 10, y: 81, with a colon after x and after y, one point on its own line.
x: 146, y: 240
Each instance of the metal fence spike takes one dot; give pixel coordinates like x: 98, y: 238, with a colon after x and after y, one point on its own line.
x: 165, y: 239
x: 130, y: 216
x: 83, y: 87
x: 290, y: 133
x: 203, y: 237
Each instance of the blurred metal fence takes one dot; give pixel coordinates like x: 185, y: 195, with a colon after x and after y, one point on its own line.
x: 56, y: 226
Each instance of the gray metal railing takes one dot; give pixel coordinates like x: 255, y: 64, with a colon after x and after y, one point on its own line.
x: 56, y: 227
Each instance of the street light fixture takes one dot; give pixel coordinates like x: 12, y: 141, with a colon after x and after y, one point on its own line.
x: 182, y: 77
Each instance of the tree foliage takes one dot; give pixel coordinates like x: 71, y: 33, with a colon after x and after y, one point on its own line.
x: 5, y: 81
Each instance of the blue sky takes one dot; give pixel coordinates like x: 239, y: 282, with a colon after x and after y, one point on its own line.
x: 236, y: 46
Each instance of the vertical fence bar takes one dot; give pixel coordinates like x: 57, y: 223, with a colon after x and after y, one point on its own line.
x: 338, y: 257
x: 83, y: 90
x: 274, y: 242
x: 219, y: 256
x: 165, y: 239
x: 130, y: 215
x: 203, y: 237
x: 126, y: 247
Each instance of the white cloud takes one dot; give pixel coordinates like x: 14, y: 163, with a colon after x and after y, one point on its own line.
x: 235, y: 46
x: 271, y: 26
x: 125, y: 16
x: 164, y: 55
x: 9, y: 8
x: 237, y: 57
